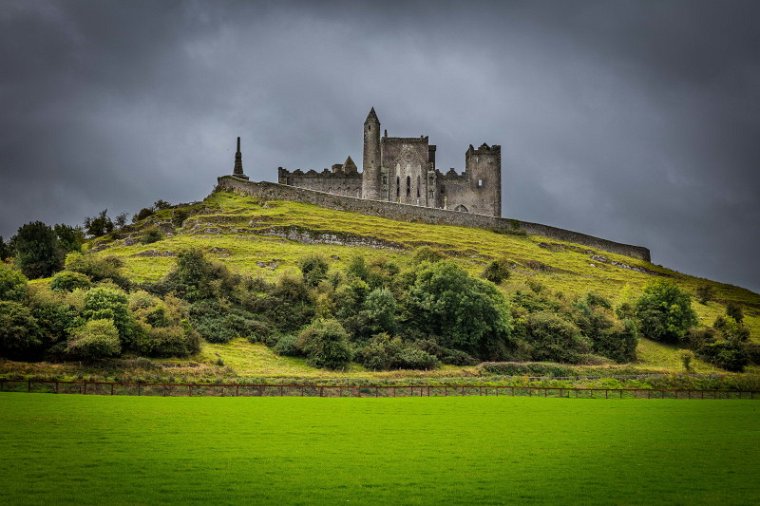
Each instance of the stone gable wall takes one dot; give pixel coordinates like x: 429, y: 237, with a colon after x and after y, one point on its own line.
x: 410, y: 213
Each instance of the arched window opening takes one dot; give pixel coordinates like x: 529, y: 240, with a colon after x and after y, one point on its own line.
x: 408, y: 186
x: 418, y: 186
x: 398, y: 188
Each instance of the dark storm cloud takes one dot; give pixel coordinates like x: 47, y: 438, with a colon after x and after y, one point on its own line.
x: 636, y: 121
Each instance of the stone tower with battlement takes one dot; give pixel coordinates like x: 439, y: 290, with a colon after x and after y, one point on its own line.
x: 403, y: 170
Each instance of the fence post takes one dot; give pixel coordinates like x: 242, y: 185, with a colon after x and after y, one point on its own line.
x: 321, y: 391
x: 606, y: 393
x: 29, y: 386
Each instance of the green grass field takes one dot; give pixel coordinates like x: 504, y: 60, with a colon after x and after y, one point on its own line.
x: 472, y: 450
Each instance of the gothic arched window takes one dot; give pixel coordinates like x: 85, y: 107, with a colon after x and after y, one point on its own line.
x: 418, y: 186
x: 398, y: 187
x: 408, y: 186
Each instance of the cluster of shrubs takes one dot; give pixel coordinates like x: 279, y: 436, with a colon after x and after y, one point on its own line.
x: 665, y: 314
x: 373, y: 313
x: 88, y: 313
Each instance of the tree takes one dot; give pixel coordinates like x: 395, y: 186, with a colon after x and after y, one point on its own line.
x: 314, y: 269
x: 5, y: 250
x: 325, y: 343
x: 734, y: 310
x: 68, y: 281
x: 107, y: 303
x: 464, y: 313
x: 143, y: 213
x: 38, y: 253
x: 161, y: 204
x: 554, y: 338
x: 97, y: 268
x: 664, y: 312
x: 19, y: 332
x: 12, y: 284
x: 120, y: 221
x: 94, y: 340
x: 98, y: 225
x: 496, y: 271
x: 69, y: 238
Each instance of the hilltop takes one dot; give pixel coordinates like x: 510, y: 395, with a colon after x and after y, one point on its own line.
x: 268, y: 238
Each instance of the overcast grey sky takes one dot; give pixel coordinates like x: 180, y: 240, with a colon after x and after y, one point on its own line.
x: 634, y: 121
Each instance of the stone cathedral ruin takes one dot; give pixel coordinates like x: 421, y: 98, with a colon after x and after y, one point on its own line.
x: 403, y: 170
x: 400, y: 181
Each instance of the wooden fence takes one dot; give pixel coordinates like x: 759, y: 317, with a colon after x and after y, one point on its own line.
x: 316, y: 390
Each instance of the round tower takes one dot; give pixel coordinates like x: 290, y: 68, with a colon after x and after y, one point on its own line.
x: 371, y: 166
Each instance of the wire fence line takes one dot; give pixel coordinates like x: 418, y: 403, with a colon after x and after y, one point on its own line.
x: 83, y: 387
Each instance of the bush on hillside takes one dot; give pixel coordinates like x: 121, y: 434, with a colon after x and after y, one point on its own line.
x: 496, y: 271
x: 326, y: 345
x: 287, y: 346
x: 384, y: 353
x: 12, y: 283
x: 55, y: 314
x: 111, y: 303
x: 19, y: 331
x: 98, y: 268
x: 69, y: 281
x: 38, y: 253
x: 553, y: 338
x: 219, y: 322
x: 664, y: 312
x: 462, y: 312
x: 151, y: 235
x: 734, y: 310
x: 427, y: 254
x: 175, y: 341
x: 96, y: 339
x: 314, y: 269
x: 729, y: 356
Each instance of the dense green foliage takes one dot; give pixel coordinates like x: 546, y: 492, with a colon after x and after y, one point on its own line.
x: 5, y: 251
x: 382, y: 353
x: 99, y: 225
x: 19, y: 332
x: 12, y: 283
x: 453, y: 451
x: 325, y: 343
x: 664, y: 312
x: 98, y: 268
x: 314, y: 269
x: 461, y: 311
x: 37, y: 250
x: 496, y: 271
x: 111, y: 303
x: 94, y: 340
x: 69, y: 281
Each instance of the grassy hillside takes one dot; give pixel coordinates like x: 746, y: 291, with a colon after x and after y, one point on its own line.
x: 246, y: 235
x: 268, y: 238
x: 471, y: 450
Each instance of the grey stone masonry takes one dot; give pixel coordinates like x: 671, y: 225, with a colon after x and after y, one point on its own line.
x: 421, y: 214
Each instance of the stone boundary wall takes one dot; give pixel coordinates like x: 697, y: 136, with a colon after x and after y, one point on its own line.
x: 411, y: 213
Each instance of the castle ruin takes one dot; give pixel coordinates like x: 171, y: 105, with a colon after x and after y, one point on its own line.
x: 403, y: 170
x: 400, y: 182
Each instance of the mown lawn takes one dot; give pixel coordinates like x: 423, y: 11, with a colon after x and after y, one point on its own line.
x: 129, y: 450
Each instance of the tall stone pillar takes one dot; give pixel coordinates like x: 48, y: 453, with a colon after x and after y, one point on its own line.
x: 371, y: 174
